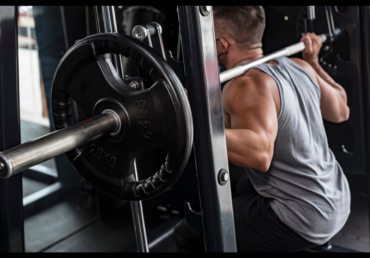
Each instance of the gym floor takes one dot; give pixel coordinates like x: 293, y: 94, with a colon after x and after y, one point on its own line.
x: 73, y: 225
x: 355, y: 233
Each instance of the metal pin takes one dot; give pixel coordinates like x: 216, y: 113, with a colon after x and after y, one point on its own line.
x: 134, y: 85
x: 205, y: 9
x: 139, y: 32
x: 223, y: 176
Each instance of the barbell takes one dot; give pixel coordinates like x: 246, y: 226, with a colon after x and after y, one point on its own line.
x: 119, y: 119
x: 287, y: 51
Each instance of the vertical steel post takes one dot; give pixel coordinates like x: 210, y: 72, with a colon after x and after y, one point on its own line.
x: 65, y: 33
x: 110, y: 25
x: 97, y: 19
x: 365, y: 37
x: 310, y: 18
x: 138, y: 218
x: 204, y: 93
x: 11, y: 197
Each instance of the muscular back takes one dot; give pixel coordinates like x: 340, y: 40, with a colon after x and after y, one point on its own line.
x: 257, y: 78
x: 333, y: 102
x: 252, y: 104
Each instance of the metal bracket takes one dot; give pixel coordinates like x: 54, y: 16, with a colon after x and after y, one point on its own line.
x: 152, y: 35
x: 134, y: 83
x: 156, y: 38
x: 346, y: 151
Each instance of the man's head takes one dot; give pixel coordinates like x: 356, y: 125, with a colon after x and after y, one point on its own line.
x: 241, y: 26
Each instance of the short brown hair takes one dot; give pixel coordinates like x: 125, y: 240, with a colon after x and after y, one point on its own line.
x: 245, y: 24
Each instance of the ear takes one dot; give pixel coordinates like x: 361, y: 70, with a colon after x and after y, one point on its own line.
x: 225, y: 45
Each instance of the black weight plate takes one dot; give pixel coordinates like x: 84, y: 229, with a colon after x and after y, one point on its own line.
x: 159, y: 116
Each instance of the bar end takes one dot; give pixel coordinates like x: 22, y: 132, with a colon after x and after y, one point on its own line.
x: 5, y: 167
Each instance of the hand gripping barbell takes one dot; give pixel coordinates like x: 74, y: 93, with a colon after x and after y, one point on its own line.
x: 287, y: 51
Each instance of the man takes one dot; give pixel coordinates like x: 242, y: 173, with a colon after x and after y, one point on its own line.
x: 297, y: 196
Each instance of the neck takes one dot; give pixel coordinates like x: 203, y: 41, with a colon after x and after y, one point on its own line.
x: 246, y: 56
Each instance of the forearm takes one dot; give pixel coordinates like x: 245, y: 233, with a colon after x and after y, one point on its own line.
x: 247, y: 149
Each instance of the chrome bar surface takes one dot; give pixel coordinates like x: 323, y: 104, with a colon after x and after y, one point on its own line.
x: 118, y: 58
x: 12, y: 235
x: 113, y: 19
x: 327, y: 12
x: 110, y: 25
x: 64, y: 28
x: 21, y: 157
x: 311, y: 12
x: 217, y: 129
x: 97, y: 19
x: 287, y: 51
x: 106, y: 19
x: 204, y: 94
x: 138, y: 218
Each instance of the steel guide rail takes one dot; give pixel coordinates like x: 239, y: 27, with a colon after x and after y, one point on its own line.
x: 11, y: 198
x: 204, y: 95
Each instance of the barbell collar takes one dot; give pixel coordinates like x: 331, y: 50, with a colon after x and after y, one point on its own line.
x: 26, y: 155
x: 141, y: 32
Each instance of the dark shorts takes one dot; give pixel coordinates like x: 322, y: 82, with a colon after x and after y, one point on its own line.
x: 257, y: 227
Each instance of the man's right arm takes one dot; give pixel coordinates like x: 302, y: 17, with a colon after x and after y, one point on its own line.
x: 333, y: 101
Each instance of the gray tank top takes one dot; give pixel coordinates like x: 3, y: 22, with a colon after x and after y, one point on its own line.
x: 309, y: 190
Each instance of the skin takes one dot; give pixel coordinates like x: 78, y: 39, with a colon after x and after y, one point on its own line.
x: 251, y: 102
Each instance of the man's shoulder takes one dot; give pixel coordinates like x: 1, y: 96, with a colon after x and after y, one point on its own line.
x: 252, y: 78
x: 300, y: 62
x: 306, y: 66
x: 256, y: 81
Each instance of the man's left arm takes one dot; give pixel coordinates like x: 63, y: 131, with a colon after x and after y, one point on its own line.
x: 253, y: 121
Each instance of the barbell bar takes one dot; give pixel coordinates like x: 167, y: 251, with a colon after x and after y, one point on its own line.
x: 21, y: 157
x: 287, y: 51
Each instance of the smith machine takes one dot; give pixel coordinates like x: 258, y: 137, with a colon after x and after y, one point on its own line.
x: 123, y: 113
